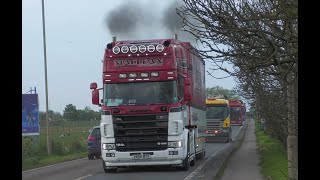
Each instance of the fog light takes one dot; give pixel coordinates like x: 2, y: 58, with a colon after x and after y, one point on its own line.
x: 173, y: 152
x: 144, y: 75
x: 110, y: 154
x: 132, y: 75
x: 154, y: 74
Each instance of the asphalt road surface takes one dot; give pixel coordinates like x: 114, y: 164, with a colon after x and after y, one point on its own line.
x: 92, y: 169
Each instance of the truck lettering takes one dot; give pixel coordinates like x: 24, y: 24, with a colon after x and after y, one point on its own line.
x: 135, y: 62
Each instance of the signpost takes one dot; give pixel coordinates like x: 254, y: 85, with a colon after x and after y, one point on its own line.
x: 30, y: 115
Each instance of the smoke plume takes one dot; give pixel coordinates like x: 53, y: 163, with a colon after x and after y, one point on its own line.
x: 137, y: 20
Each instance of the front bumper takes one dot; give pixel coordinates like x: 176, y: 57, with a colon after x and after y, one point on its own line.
x: 236, y: 122
x: 157, y: 158
x: 217, y: 137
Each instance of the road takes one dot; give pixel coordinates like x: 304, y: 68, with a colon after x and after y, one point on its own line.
x: 92, y: 169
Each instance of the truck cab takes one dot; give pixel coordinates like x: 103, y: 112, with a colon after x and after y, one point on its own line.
x: 153, y: 104
x: 218, y: 120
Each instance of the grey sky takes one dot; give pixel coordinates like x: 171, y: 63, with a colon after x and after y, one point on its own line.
x: 76, y: 34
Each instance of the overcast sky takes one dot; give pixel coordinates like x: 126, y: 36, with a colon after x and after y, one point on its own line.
x: 77, y: 32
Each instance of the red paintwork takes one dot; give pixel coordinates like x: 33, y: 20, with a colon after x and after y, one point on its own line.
x: 115, y: 64
x: 238, y: 103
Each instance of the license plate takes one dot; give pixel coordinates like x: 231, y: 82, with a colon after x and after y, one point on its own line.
x: 141, y: 156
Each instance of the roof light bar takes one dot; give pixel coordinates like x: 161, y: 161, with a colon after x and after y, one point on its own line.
x: 116, y: 50
x: 159, y: 48
x: 124, y: 49
x: 151, y: 48
x: 142, y: 48
x: 133, y: 49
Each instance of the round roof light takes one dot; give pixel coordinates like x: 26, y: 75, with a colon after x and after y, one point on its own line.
x: 124, y: 49
x: 142, y: 48
x: 116, y: 50
x: 151, y: 48
x: 133, y: 49
x: 160, y: 48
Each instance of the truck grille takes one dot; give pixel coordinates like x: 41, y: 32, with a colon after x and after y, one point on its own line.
x: 214, y: 124
x: 140, y: 132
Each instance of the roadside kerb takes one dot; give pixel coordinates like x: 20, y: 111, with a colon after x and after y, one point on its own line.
x: 211, y: 169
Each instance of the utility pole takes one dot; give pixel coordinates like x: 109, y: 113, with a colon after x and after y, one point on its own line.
x: 292, y: 140
x: 46, y: 79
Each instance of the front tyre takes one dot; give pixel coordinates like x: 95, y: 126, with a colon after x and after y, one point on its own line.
x: 108, y: 170
x: 193, y: 162
x: 186, y: 162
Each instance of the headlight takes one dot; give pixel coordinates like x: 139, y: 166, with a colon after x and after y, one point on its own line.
x: 108, y: 146
x: 175, y: 144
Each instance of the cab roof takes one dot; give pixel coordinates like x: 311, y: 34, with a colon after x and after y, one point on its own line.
x: 216, y: 101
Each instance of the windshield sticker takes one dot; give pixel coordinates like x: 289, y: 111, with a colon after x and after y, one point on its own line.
x: 114, y: 102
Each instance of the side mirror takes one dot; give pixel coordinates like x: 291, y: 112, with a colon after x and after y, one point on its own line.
x: 187, y: 89
x: 95, y: 97
x: 93, y: 85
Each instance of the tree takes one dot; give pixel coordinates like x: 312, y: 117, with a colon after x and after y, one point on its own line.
x: 71, y: 113
x: 55, y: 116
x: 219, y: 91
x: 260, y: 39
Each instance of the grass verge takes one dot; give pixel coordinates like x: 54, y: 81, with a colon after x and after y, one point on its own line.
x: 273, y: 157
x: 35, y: 162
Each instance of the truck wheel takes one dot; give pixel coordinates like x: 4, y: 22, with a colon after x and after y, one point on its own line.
x: 186, y: 163
x: 201, y: 155
x: 193, y: 162
x: 108, y: 170
x: 228, y: 140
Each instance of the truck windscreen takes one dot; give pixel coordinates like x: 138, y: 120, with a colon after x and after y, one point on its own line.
x: 140, y: 93
x: 234, y: 113
x: 217, y: 112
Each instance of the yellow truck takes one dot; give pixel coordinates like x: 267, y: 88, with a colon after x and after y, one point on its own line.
x: 218, y: 120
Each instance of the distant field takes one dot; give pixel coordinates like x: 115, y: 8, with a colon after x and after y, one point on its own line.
x: 69, y: 141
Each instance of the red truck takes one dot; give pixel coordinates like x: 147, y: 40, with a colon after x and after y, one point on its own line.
x: 153, y: 105
x: 237, y: 112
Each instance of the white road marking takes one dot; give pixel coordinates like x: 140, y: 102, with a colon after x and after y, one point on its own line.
x: 83, y: 177
x: 52, y: 165
x: 238, y: 131
x: 206, y: 161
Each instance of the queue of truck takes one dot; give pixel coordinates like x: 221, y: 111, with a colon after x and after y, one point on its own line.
x: 154, y: 106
